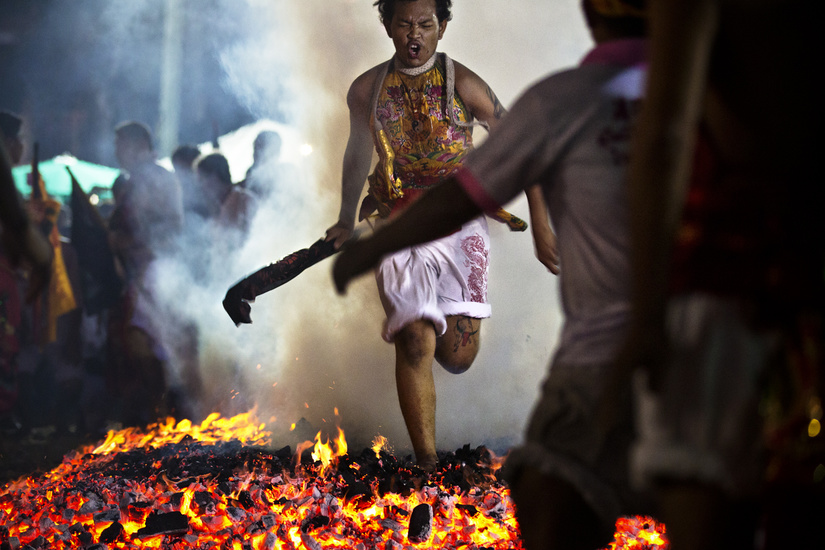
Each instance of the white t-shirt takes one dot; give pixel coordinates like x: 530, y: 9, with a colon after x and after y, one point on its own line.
x: 570, y: 134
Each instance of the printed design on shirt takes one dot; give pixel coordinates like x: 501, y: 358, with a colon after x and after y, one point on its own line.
x: 477, y: 258
x: 416, y: 120
x: 615, y: 137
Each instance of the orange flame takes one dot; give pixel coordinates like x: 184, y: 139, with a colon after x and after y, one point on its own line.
x: 379, y: 443
x: 323, y: 451
x: 639, y: 532
x: 251, y: 507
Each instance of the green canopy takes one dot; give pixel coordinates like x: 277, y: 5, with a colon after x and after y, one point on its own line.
x: 58, y: 182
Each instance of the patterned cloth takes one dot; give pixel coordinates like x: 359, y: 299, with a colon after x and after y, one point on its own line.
x: 438, y: 279
x: 417, y: 141
x: 420, y: 140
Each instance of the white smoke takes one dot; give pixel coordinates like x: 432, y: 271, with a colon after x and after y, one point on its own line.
x: 309, y: 350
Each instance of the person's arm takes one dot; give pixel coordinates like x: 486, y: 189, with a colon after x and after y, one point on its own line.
x: 544, y: 239
x: 437, y: 213
x: 357, y: 158
x: 477, y: 95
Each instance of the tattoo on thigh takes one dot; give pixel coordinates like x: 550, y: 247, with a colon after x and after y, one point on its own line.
x: 464, y: 332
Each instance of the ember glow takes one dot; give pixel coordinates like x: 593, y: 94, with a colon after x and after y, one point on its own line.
x: 219, y: 484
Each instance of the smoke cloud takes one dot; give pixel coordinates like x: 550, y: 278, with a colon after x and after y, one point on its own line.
x: 310, y: 351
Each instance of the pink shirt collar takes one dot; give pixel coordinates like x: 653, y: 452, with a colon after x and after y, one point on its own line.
x: 626, y: 52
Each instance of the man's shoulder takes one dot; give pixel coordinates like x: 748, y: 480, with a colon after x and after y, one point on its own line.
x: 465, y: 77
x: 362, y: 87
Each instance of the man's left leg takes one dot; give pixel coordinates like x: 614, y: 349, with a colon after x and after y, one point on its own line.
x: 414, y: 350
x: 457, y: 348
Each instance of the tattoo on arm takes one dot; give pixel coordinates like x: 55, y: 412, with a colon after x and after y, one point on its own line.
x: 498, y: 108
x: 465, y: 331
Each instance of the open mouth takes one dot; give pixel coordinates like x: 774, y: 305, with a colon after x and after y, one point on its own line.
x: 414, y: 50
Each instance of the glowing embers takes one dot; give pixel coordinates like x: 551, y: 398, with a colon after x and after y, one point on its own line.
x: 180, y: 486
x: 639, y: 533
x: 183, y: 486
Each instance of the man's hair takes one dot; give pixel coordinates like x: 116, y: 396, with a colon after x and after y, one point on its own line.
x: 185, y: 155
x: 386, y: 9
x: 135, y: 132
x: 10, y: 124
x: 216, y: 165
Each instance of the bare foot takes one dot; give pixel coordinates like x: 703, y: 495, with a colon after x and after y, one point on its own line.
x: 428, y: 464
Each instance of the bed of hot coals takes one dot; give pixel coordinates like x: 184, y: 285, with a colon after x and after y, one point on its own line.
x: 221, y: 485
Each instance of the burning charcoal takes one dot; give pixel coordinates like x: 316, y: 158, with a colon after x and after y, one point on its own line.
x: 392, y: 545
x: 469, y: 508
x: 421, y: 523
x: 357, y: 489
x: 446, y: 503
x: 98, y: 547
x: 310, y: 542
x: 164, y: 524
x: 90, y: 507
x: 111, y: 533
x: 269, y: 521
x: 127, y: 498
x: 138, y: 511
x: 203, y: 500
x: 85, y: 538
x: 38, y: 542
x: 46, y: 524
x: 246, y: 500
x: 469, y: 530
x: 395, y: 484
x: 67, y: 514
x: 175, y: 501
x: 397, y: 511
x: 316, y: 522
x: 107, y: 516
x: 235, y: 514
x: 255, y: 529
x: 269, y: 542
x: 391, y: 524
x: 12, y: 544
x: 212, y: 522
x: 301, y: 501
x: 494, y: 506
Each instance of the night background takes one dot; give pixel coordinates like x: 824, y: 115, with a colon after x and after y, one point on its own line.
x: 75, y: 69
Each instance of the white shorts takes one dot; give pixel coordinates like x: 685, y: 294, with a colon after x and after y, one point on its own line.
x: 444, y: 277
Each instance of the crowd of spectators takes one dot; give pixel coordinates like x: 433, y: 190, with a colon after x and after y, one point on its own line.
x: 92, y: 346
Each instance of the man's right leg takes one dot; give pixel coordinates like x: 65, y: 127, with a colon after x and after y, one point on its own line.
x: 414, y: 352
